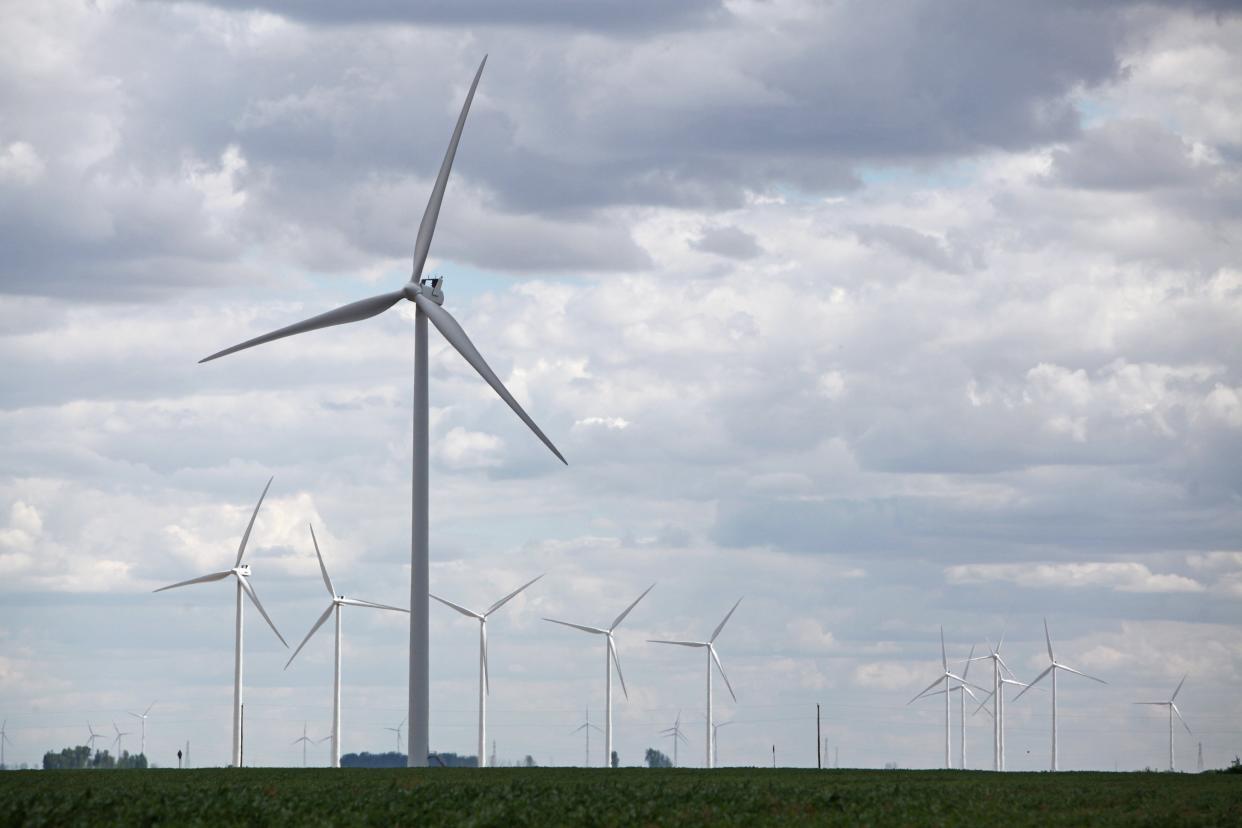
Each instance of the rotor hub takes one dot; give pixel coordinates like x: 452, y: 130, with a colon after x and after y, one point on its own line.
x: 428, y: 286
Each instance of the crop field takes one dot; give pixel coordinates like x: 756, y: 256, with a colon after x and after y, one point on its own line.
x: 556, y: 796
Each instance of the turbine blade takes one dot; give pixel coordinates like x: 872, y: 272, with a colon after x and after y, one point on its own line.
x: 322, y: 569
x: 929, y: 687
x: 944, y: 659
x: 969, y: 692
x: 982, y: 705
x: 1179, y: 688
x: 621, y: 617
x: 509, y: 597
x: 1079, y: 673
x: 1046, y: 671
x: 241, y: 548
x: 215, y: 576
x: 358, y: 602
x: 1048, y: 640
x: 254, y: 599
x: 487, y: 676
x: 969, y: 658
x: 458, y: 607
x: 577, y: 729
x: 448, y: 327
x: 595, y: 630
x: 720, y: 626
x: 616, y: 659
x: 1178, y: 713
x: 353, y: 312
x: 148, y: 710
x: 1156, y: 703
x: 427, y: 227
x: 681, y: 643
x: 313, y: 629
x: 720, y: 667
x: 1006, y: 666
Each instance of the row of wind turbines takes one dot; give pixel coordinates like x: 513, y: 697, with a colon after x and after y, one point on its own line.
x: 241, y: 574
x: 1002, y: 676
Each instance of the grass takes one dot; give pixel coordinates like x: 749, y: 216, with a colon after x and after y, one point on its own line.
x: 628, y: 796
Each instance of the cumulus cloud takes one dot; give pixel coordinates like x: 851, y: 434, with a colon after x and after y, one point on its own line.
x: 1117, y: 575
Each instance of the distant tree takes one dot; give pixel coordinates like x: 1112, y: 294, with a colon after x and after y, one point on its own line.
x: 656, y: 759
x: 616, y: 760
x: 391, y: 759
x: 529, y: 762
x: 1234, y: 767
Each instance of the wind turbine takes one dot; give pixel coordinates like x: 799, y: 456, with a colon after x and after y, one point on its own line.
x: 997, y: 695
x: 1173, y: 711
x: 716, y: 742
x: 587, y: 727
x: 306, y: 740
x: 962, y: 690
x: 334, y: 608
x: 142, y: 718
x: 947, y: 676
x: 709, y: 645
x: 1053, y: 666
x: 5, y: 740
x: 242, y: 573
x: 610, y: 657
x: 91, y: 741
x: 117, y: 741
x: 397, y: 730
x: 428, y: 296
x: 485, y: 686
x: 676, y: 735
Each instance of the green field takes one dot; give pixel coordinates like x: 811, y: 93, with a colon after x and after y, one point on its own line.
x: 628, y: 796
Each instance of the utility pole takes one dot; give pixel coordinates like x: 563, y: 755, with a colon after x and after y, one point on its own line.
x: 819, y: 756
x: 773, y: 757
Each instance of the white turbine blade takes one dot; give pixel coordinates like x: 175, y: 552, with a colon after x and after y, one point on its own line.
x: 353, y: 312
x: 241, y: 548
x: 1046, y: 671
x: 969, y: 692
x: 616, y: 659
x: 148, y: 710
x: 358, y: 602
x: 1156, y: 703
x: 595, y: 630
x: 427, y: 227
x: 1079, y: 673
x: 1048, y: 640
x: 578, y: 729
x: 982, y: 705
x: 720, y: 667
x: 322, y: 569
x: 318, y: 624
x: 487, y: 675
x: 720, y: 626
x: 964, y: 682
x: 1179, y: 688
x: 1178, y: 714
x: 451, y: 331
x: 969, y: 658
x: 509, y: 597
x: 621, y: 617
x: 458, y: 607
x: 215, y: 576
x: 254, y: 599
x: 681, y: 736
x: 944, y: 659
x: 681, y: 643
x: 1006, y: 666
x: 929, y: 687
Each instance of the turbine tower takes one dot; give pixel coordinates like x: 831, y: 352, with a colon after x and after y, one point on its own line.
x: 998, y: 701
x: 397, y: 730
x: 947, y: 676
x: 710, y: 646
x: 716, y: 742
x: 962, y: 691
x: 334, y: 608
x: 676, y: 735
x: 142, y: 719
x: 5, y: 740
x: 485, y: 685
x: 241, y: 572
x: 1173, y: 711
x: 587, y: 727
x: 610, y: 658
x: 1053, y: 666
x: 428, y: 296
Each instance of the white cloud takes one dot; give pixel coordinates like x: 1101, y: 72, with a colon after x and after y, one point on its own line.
x: 1116, y: 575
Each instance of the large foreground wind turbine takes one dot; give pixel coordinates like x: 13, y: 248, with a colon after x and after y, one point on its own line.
x: 485, y: 685
x: 947, y: 677
x: 1052, y: 668
x: 334, y: 608
x: 1173, y: 711
x: 710, y: 645
x: 242, y: 573
x: 142, y: 718
x: 428, y: 296
x: 610, y: 657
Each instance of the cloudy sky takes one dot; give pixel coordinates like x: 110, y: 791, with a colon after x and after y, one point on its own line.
x: 883, y: 316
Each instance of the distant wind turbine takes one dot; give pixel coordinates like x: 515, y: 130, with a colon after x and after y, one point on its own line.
x: 710, y: 646
x: 997, y: 695
x: 334, y: 608
x: 586, y: 727
x: 716, y: 742
x: 1173, y: 711
x: 947, y: 677
x: 397, y: 730
x: 962, y: 691
x: 306, y: 740
x: 1053, y: 666
x: 91, y: 741
x: 142, y: 719
x: 241, y: 572
x: 428, y: 296
x: 610, y: 658
x: 117, y: 741
x: 5, y: 740
x: 485, y: 686
x: 676, y: 735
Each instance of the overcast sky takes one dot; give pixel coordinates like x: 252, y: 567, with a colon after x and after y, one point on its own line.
x: 883, y: 316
